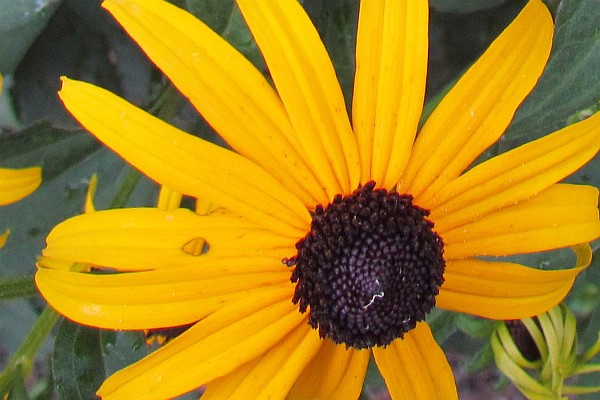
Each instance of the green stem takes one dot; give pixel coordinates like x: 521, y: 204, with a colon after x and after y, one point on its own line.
x: 21, y: 362
x: 586, y: 369
x: 122, y: 196
x: 581, y: 389
x: 16, y: 287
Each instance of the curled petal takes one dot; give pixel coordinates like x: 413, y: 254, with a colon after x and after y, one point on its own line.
x: 502, y: 290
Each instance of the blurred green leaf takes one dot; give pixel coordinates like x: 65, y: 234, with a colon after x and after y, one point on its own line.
x: 464, y: 6
x: 215, y: 13
x: 474, y: 327
x: 121, y: 349
x: 77, y: 362
x: 15, y: 287
x: 20, y: 23
x: 224, y: 17
x: 483, y: 358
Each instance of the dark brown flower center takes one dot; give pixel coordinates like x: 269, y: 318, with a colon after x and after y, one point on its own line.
x: 523, y: 339
x: 369, y: 269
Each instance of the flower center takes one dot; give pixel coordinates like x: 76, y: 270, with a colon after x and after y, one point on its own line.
x: 369, y: 269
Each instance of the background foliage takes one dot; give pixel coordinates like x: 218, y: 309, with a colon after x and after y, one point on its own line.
x: 42, y: 40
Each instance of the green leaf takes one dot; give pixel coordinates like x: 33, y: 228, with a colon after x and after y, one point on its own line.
x: 474, y: 327
x: 224, y: 17
x: 482, y: 359
x: 20, y: 23
x: 77, y: 362
x: 15, y: 287
x: 121, y: 349
x: 215, y: 13
x: 442, y: 323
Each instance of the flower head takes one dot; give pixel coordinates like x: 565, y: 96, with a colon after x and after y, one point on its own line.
x: 372, y: 224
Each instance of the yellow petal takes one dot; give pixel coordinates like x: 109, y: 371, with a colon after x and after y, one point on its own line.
x: 516, y: 175
x: 308, y: 87
x: 149, y: 238
x: 168, y: 199
x: 212, y: 348
x: 183, y: 162
x: 18, y: 183
x: 151, y: 299
x: 415, y: 367
x: 90, y: 194
x: 560, y: 216
x: 229, y: 92
x: 4, y: 237
x: 475, y: 113
x: 277, y: 370
x: 224, y: 386
x: 501, y: 290
x: 389, y: 86
x: 334, y: 373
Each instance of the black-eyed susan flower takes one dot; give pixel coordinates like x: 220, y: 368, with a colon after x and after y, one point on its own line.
x: 372, y: 223
x: 16, y: 184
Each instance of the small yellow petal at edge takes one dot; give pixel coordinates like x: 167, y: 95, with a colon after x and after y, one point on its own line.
x: 89, y: 195
x: 4, y: 238
x: 16, y: 184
